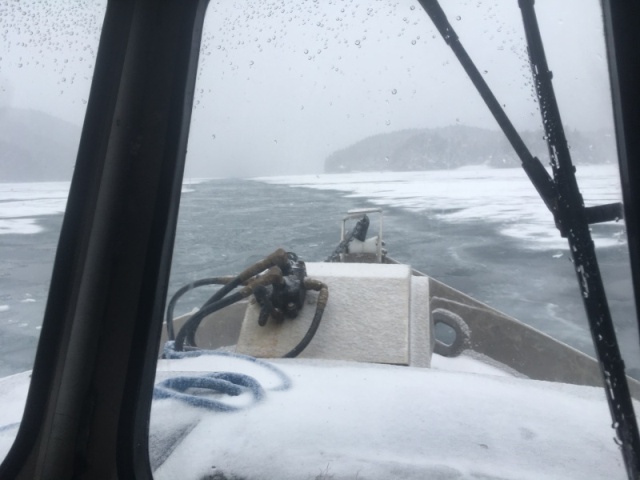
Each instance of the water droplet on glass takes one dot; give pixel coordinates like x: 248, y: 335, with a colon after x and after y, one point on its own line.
x: 413, y: 42
x: 357, y: 42
x: 388, y: 122
x: 306, y: 51
x: 458, y: 18
x: 413, y: 7
x: 213, y: 135
x: 394, y: 91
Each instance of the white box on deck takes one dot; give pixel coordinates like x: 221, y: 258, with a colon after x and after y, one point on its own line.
x: 367, y: 318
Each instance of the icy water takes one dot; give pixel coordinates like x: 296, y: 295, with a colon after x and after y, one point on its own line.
x: 481, y: 231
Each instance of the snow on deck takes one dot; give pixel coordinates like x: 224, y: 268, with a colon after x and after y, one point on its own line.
x: 13, y: 394
x: 347, y: 420
x: 344, y: 420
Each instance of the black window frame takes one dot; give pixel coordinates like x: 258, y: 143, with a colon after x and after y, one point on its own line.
x: 88, y: 404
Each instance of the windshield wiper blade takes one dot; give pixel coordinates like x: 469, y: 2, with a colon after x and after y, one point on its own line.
x: 574, y: 221
x: 562, y: 196
x: 533, y: 167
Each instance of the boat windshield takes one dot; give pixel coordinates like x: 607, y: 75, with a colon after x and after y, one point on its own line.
x: 306, y: 111
x: 419, y: 316
x: 47, y: 55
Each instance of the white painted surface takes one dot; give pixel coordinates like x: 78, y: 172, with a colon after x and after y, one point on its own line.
x: 366, y: 318
x: 420, y: 329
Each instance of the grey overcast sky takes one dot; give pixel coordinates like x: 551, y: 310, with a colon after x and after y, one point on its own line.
x: 283, y: 84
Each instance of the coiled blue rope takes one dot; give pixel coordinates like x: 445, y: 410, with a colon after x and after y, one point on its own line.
x: 229, y: 383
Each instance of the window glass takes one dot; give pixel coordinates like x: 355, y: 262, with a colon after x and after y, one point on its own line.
x: 306, y: 110
x: 47, y: 52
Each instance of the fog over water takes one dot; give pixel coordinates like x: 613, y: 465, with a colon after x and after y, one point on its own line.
x: 283, y: 84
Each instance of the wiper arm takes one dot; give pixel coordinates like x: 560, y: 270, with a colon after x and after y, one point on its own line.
x: 536, y: 172
x: 542, y: 181
x: 574, y: 222
x: 562, y: 197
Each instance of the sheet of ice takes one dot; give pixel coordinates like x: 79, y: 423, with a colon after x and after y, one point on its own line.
x: 346, y: 420
x: 197, y: 181
x: 21, y: 226
x: 33, y: 191
x: 13, y: 392
x: 504, y: 197
x: 20, y: 203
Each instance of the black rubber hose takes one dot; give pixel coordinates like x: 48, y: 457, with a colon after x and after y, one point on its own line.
x: 176, y: 296
x: 236, y: 282
x: 277, y: 258
x: 188, y: 330
x: 217, y: 302
x: 192, y: 324
x: 321, y: 302
x: 313, y: 328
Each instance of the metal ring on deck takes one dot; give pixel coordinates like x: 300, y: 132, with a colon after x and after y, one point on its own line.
x: 462, y: 340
